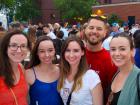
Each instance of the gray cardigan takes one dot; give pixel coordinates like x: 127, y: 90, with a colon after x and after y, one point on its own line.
x: 129, y: 95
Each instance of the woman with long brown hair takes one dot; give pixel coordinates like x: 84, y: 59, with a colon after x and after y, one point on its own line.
x: 77, y: 84
x: 13, y: 87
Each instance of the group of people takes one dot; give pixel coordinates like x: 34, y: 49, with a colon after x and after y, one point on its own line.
x: 87, y: 74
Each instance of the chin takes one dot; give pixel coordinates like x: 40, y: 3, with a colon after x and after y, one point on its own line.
x: 119, y: 65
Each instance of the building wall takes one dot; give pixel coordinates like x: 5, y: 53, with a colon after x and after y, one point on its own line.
x: 122, y: 10
x: 112, y: 1
x: 49, y: 14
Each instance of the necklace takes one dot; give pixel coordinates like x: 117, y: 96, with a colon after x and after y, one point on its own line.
x: 14, y: 96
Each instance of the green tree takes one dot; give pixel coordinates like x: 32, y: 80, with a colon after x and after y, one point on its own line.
x: 114, y: 18
x: 6, y: 4
x: 26, y: 10
x: 70, y: 9
x: 23, y: 10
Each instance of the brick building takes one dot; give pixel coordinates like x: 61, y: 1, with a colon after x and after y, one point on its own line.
x: 125, y: 9
x: 49, y: 14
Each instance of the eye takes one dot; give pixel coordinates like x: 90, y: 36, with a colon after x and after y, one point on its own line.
x: 112, y: 49
x: 122, y: 49
x: 99, y: 28
x: 91, y: 27
x: 41, y: 51
x: 24, y: 46
x: 13, y: 45
x: 50, y: 50
x: 76, y: 50
x: 67, y: 50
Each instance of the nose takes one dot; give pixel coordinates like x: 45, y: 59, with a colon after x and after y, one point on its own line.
x: 47, y: 54
x: 117, y: 52
x: 18, y: 49
x: 71, y: 54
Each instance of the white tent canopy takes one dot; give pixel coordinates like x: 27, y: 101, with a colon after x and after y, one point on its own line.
x: 3, y: 19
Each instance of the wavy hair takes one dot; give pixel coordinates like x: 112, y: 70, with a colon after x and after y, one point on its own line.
x: 5, y: 65
x: 34, y: 59
x: 65, y: 67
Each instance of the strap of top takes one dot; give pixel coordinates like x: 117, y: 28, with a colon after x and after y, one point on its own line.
x: 69, y: 99
x: 34, y: 72
x: 115, y: 75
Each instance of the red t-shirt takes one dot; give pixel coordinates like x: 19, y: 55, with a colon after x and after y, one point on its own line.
x: 101, y: 62
x: 20, y: 90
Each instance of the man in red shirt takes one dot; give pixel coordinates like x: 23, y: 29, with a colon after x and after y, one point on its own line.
x: 97, y: 57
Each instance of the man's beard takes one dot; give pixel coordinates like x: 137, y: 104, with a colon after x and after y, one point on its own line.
x: 45, y: 33
x: 94, y: 42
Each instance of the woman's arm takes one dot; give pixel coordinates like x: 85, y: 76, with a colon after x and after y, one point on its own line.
x: 97, y: 95
x: 29, y: 76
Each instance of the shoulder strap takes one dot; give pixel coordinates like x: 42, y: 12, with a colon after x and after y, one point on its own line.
x: 69, y: 99
x: 115, y: 75
x: 138, y: 86
x: 34, y: 72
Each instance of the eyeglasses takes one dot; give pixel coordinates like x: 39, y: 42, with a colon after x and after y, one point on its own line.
x: 15, y: 47
x: 101, y: 16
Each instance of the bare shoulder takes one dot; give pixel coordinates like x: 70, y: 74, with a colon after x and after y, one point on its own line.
x: 30, y: 76
x: 56, y: 70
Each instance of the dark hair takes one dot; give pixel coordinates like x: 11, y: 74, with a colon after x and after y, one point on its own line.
x: 65, y: 67
x: 5, y: 65
x: 15, y: 25
x: 60, y: 34
x: 0, y: 23
x: 98, y: 18
x: 34, y: 60
x: 127, y: 36
x: 46, y: 25
x: 136, y: 37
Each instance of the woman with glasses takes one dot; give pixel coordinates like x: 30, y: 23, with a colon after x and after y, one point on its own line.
x: 43, y: 74
x: 78, y: 85
x: 123, y: 89
x: 13, y: 87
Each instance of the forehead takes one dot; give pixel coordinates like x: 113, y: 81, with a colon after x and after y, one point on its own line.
x: 73, y: 44
x: 18, y: 38
x: 94, y: 22
x: 45, y: 27
x: 46, y: 44
x: 119, y: 41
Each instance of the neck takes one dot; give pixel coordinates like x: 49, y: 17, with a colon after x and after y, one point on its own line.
x: 127, y: 68
x: 94, y: 48
x: 73, y: 72
x: 45, y: 67
x: 14, y: 66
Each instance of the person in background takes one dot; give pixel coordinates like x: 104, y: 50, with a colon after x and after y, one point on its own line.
x: 39, y: 31
x: 42, y: 74
x: 56, y: 27
x: 32, y: 35
x: 14, y: 26
x: 64, y: 29
x: 115, y: 29
x: 13, y: 87
x: 78, y: 85
x: 136, y: 37
x: 47, y: 31
x: 58, y: 43
x: 123, y: 89
x: 2, y: 31
x: 97, y: 57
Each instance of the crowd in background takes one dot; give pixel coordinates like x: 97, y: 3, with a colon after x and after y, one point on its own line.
x: 89, y: 64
